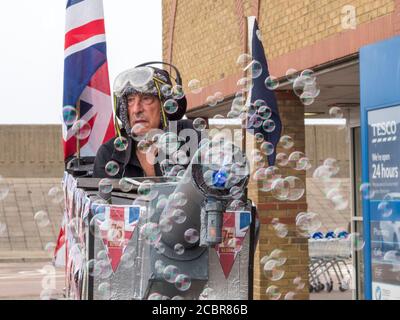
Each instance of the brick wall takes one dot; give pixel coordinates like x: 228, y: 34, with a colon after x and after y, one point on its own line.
x: 294, y: 247
x: 208, y: 34
x: 293, y: 24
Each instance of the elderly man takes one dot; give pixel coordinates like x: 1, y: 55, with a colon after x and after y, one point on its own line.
x: 141, y: 96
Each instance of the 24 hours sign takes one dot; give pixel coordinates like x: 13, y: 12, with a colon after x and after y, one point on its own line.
x: 384, y: 150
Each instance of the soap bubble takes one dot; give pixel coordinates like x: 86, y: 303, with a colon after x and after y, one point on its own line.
x: 290, y: 295
x: 177, y: 298
x: 357, y: 241
x: 307, y: 223
x: 81, y: 129
x: 179, y: 249
x: 179, y: 216
x: 264, y: 112
x: 281, y: 230
x: 102, y: 255
x: 307, y: 98
x: 155, y: 296
x: 269, y: 125
x: 112, y: 168
x: 160, y: 247
x: 48, y: 294
x: 259, y: 137
x: 70, y: 115
x: 105, y: 186
x: 366, y: 191
x: 137, y: 129
x: 177, y: 92
x: 127, y: 260
x: 219, y: 96
x: 340, y: 202
x: 385, y: 209
x: 191, y: 236
x: 104, y: 269
x: 96, y: 221
x: 90, y: 267
x: 150, y: 232
x: 170, y: 273
x: 207, y: 294
x: 159, y: 266
x: 125, y: 185
x: 195, y: 86
x: 298, y: 85
x: 182, y: 282
x: 282, y: 159
x: 166, y: 90
x: 147, y: 191
x: 259, y: 174
x: 236, y: 192
x: 299, y: 283
x: 104, y: 290
x: 332, y: 165
x: 169, y: 142
x: 280, y: 189
x: 336, y: 112
x: 244, y: 60
x: 294, y: 158
x: 170, y: 106
x: 303, y: 164
x: 121, y: 143
x: 56, y: 195
x: 286, y: 142
x: 178, y: 199
x: 200, y: 124
x: 144, y: 146
x: 256, y: 69
x: 255, y: 121
x: 166, y: 224
x: 49, y: 247
x: 4, y: 188
x: 291, y: 75
x: 296, y: 188
x: 42, y: 219
x: 271, y: 174
x: 273, y: 293
x: 211, y: 101
x: 272, y: 83
x: 162, y: 201
x: 267, y: 148
x: 309, y: 76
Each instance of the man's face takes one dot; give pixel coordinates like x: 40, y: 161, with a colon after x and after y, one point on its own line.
x: 144, y: 113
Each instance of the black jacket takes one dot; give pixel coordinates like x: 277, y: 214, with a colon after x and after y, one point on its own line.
x: 128, y: 162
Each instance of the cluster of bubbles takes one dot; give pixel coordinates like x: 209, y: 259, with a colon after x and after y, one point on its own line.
x: 214, y: 99
x: 274, y: 271
x: 81, y: 129
x: 305, y: 85
x: 325, y: 175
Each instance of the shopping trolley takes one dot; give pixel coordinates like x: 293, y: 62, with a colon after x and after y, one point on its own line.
x: 329, y: 255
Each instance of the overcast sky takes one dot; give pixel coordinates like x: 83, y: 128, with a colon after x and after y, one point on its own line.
x: 32, y: 54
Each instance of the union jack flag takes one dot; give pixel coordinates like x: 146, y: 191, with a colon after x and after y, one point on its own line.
x: 86, y: 80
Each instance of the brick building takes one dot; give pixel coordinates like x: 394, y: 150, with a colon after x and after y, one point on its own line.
x: 204, y: 39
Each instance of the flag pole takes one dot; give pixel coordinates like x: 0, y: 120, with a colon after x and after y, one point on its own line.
x: 78, y: 142
x: 245, y: 74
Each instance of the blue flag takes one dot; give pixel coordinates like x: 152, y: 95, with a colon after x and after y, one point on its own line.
x: 259, y: 91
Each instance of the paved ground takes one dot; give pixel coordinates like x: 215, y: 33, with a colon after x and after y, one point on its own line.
x: 29, y: 280
x: 25, y: 198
